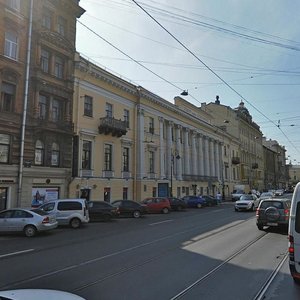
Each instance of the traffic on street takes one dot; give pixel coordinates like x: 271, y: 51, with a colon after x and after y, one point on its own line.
x: 195, y: 253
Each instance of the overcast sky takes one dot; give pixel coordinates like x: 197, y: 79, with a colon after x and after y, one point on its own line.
x: 253, y: 47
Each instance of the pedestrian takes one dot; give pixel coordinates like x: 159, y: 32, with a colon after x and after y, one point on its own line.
x: 219, y: 197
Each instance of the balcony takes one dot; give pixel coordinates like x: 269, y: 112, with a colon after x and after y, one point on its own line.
x: 235, y: 161
x: 110, y: 125
x: 255, y: 166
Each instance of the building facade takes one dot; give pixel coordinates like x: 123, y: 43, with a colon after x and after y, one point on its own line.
x: 37, y: 46
x: 131, y: 144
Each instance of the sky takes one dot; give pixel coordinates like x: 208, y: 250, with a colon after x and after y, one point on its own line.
x: 236, y: 49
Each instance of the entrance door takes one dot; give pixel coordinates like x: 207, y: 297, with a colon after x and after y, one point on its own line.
x: 3, y: 198
x: 106, y: 194
x: 163, y: 190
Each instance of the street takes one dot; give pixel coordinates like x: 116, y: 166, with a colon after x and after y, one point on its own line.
x: 209, y: 253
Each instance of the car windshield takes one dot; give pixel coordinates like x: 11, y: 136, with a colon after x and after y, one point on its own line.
x: 246, y: 197
x: 39, y: 212
x: 276, y: 204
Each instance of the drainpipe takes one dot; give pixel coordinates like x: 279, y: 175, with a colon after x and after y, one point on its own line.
x: 20, y: 179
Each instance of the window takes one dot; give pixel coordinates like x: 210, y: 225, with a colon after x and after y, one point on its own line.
x: 59, y: 67
x: 7, y: 96
x: 47, y: 19
x: 125, y: 193
x: 42, y: 107
x: 69, y: 205
x: 11, y: 45
x: 88, y: 106
x: 39, y: 153
x: 14, y: 4
x: 4, y: 148
x: 109, y: 110
x: 151, y: 162
x: 56, y: 110
x: 45, y: 60
x: 86, y: 155
x: 107, y: 157
x: 125, y: 159
x: 55, y: 155
x: 126, y: 117
x: 61, y: 25
x: 151, y: 125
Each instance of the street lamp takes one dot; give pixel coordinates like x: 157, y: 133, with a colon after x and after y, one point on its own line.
x: 172, y: 167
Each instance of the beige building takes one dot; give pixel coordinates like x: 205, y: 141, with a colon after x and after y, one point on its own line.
x: 37, y: 46
x: 247, y: 159
x: 131, y: 144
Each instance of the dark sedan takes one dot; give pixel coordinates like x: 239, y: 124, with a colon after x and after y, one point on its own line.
x: 102, y: 211
x: 194, y: 201
x: 210, y: 200
x: 177, y: 204
x: 130, y: 208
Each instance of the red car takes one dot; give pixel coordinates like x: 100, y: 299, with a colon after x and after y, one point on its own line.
x: 158, y: 205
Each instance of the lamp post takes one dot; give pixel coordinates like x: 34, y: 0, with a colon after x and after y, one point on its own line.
x: 171, y: 177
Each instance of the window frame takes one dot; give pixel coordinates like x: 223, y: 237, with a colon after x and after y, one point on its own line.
x: 55, y: 155
x: 59, y: 67
x: 108, y: 156
x: 125, y: 159
x: 88, y: 106
x: 86, y: 156
x: 11, y: 46
x: 43, y: 107
x: 45, y: 61
x: 39, y: 153
x: 109, y: 110
x: 5, y: 144
x: 5, y: 95
x: 126, y: 117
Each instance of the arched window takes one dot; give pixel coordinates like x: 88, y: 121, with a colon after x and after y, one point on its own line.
x: 39, y: 153
x: 55, y: 155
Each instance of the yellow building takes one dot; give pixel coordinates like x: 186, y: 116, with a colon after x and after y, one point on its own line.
x: 131, y: 144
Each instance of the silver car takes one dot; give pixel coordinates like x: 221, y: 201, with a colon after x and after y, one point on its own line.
x: 26, y: 221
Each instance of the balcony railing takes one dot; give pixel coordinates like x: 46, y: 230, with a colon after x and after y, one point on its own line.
x: 189, y: 177
x: 110, y: 125
x: 108, y: 174
x: 236, y: 160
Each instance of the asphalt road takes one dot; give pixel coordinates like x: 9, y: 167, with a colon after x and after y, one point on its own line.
x: 210, y: 253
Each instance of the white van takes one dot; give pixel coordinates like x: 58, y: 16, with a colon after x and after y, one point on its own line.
x: 294, y: 235
x: 71, y: 212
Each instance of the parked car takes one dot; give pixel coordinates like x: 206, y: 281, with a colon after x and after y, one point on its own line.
x: 210, y: 200
x: 236, y: 194
x: 246, y: 202
x: 130, y: 208
x: 26, y: 221
x: 102, y: 211
x: 157, y: 205
x: 37, y: 294
x: 177, y: 204
x: 294, y: 235
x: 72, y: 212
x: 194, y: 201
x: 273, y: 213
x: 263, y: 196
x: 279, y: 192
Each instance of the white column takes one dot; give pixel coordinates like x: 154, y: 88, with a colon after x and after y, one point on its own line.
x: 161, y: 148
x: 206, y: 157
x: 186, y: 152
x: 169, y: 148
x: 217, y: 147
x: 211, y: 157
x: 141, y: 152
x: 194, y: 159
x: 179, y: 152
x: 200, y: 156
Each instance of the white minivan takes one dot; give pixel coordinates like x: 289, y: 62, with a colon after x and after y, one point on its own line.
x: 294, y: 235
x: 72, y: 212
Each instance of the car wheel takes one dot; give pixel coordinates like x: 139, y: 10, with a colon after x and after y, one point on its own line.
x: 199, y: 205
x: 296, y: 280
x: 136, y: 214
x: 260, y: 227
x: 30, y: 231
x: 165, y: 210
x: 75, y: 223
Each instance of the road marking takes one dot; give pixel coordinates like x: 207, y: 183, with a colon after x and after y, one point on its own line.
x: 16, y: 253
x: 157, y: 223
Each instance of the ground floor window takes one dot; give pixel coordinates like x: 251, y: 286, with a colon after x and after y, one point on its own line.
x: 3, y: 198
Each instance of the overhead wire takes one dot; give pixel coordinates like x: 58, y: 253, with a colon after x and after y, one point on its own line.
x: 213, y: 72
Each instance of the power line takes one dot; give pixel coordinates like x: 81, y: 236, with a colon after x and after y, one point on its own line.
x: 212, y: 71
